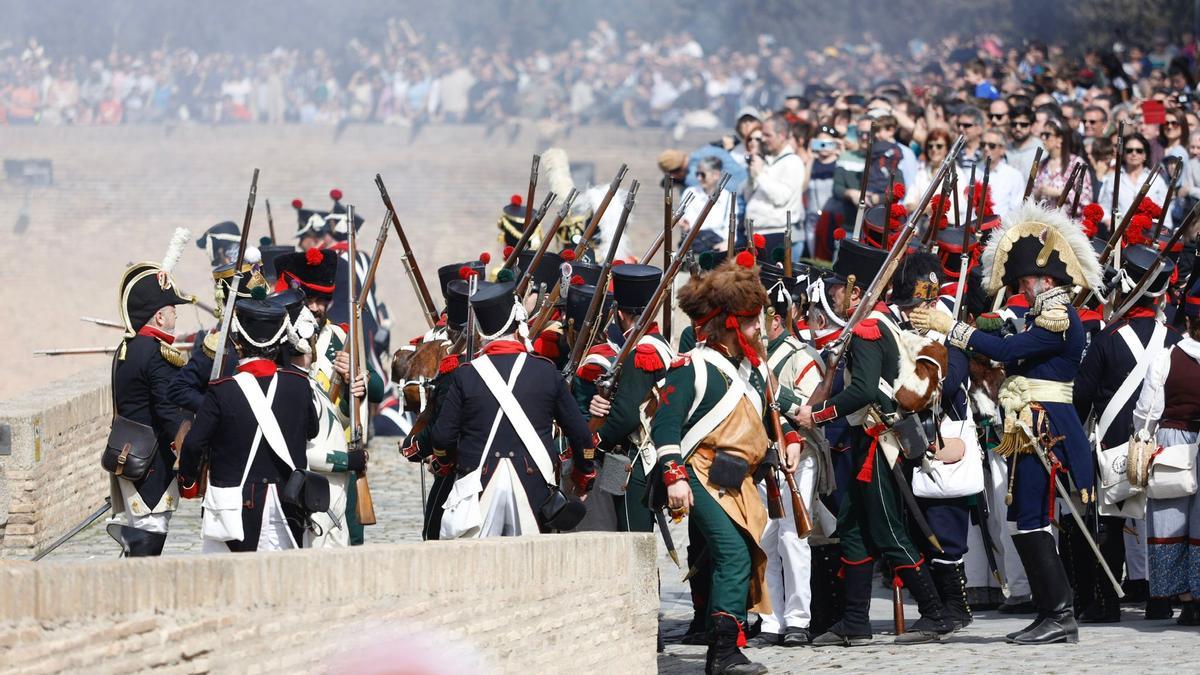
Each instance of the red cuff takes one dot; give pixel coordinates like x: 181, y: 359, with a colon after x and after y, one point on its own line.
x: 792, y: 437
x: 825, y: 414
x: 674, y: 472
x: 583, y: 480
x: 187, y: 491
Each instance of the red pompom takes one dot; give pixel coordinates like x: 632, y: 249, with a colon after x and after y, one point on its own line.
x: 335, y: 194
x: 1089, y: 228
x: 618, y: 262
x: 296, y: 204
x: 577, y: 280
x: 745, y: 259
x: 1138, y: 226
x: 485, y: 257
x: 1093, y: 212
x: 567, y: 255
x: 760, y: 241
x: 898, y: 191
x: 313, y: 257
x: 508, y: 251
x: 898, y: 211
x: 515, y: 200
x: 839, y: 234
x: 466, y: 272
x: 1148, y: 207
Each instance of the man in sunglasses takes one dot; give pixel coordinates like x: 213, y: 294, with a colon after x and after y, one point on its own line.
x: 998, y: 115
x: 1024, y: 144
x: 969, y: 123
x: 1095, y: 121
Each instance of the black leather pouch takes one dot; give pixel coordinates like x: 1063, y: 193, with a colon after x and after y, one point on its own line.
x: 307, y: 490
x: 130, y: 449
x: 728, y: 470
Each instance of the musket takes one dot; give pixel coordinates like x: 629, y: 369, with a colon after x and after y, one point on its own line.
x: 667, y: 250
x: 965, y: 256
x: 369, y: 280
x: 954, y: 189
x: 882, y: 278
x: 803, y: 520
x: 675, y: 218
x: 1172, y: 178
x: 523, y: 242
x: 410, y: 260
x: 75, y: 530
x: 594, y: 223
x: 1112, y: 214
x: 931, y: 241
x: 748, y: 226
x: 1071, y: 180
x: 1159, y: 261
x: 527, y: 274
x: 1115, y: 237
x: 887, y: 208
x: 271, y: 223
x: 862, y: 187
x: 533, y: 177
x: 982, y: 513
x: 607, y: 387
x: 472, y: 286
x: 365, y: 505
x: 107, y: 323
x: 787, y: 246
x: 1078, y: 193
x: 234, y: 283
x: 597, y: 302
x: 731, y: 242
x: 1033, y: 172
x: 914, y: 508
x: 64, y: 351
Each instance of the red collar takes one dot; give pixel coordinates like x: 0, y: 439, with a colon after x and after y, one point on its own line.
x: 503, y: 347
x: 882, y: 307
x: 823, y: 340
x: 151, y: 331
x: 653, y: 329
x: 258, y: 367
x: 1141, y: 313
x: 339, y: 246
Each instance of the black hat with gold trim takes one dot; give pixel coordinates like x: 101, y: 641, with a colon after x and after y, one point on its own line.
x: 313, y: 270
x: 1039, y: 241
x: 512, y: 223
x: 252, y: 278
x: 147, y: 287
x: 220, y: 242
x: 917, y: 279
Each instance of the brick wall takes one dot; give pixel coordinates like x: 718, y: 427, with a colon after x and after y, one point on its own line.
x: 556, y: 603
x: 120, y: 192
x: 52, y: 478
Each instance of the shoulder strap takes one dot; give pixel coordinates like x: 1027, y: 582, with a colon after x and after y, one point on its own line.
x: 516, y: 415
x: 723, y: 408
x: 260, y: 405
x: 1143, y: 357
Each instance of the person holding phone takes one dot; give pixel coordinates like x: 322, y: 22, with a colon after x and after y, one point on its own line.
x: 825, y: 148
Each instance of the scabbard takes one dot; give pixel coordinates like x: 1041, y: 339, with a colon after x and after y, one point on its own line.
x: 911, y: 501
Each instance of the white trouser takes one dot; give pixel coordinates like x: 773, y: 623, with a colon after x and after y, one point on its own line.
x: 505, y: 506
x: 975, y: 561
x: 274, y: 534
x: 333, y: 533
x: 789, y: 558
x: 1135, y: 550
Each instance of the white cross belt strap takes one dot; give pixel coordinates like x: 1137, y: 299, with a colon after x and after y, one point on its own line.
x: 502, y: 391
x: 725, y: 406
x: 1143, y: 357
x: 260, y: 405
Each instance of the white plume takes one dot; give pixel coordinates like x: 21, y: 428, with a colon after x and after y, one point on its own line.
x: 175, y: 250
x: 557, y: 169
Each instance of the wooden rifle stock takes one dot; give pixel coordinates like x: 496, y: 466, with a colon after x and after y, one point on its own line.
x: 608, y: 386
x: 533, y: 178
x: 1033, y: 172
x: 666, y: 233
x: 882, y: 278
x: 410, y: 260
x: 803, y: 521
x: 365, y: 507
x: 675, y: 218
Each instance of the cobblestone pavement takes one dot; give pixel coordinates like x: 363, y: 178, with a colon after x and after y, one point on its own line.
x: 1147, y: 646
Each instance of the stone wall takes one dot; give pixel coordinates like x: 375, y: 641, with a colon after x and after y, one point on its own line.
x: 52, y: 477
x: 553, y: 603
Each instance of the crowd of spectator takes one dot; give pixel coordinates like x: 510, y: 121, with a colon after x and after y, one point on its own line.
x: 805, y: 156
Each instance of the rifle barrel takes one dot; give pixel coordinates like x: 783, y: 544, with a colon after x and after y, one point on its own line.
x: 431, y: 313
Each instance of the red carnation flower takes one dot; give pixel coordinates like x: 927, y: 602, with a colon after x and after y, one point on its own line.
x: 839, y: 234
x: 313, y: 257
x: 335, y: 194
x: 515, y: 200
x: 296, y: 203
x: 1089, y: 228
x: 1148, y: 207
x: 485, y: 257
x: 508, y: 251
x: 898, y: 211
x: 898, y: 191
x: 745, y: 259
x: 760, y: 241
x: 567, y: 255
x: 1093, y: 212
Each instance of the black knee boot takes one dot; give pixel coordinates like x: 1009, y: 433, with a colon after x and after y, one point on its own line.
x: 932, y: 624
x: 826, y: 582
x: 951, y: 581
x: 1105, y: 606
x: 854, y: 628
x: 137, y: 543
x: 725, y: 654
x: 1051, y: 594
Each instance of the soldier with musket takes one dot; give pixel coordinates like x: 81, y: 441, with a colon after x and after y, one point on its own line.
x: 710, y: 436
x: 1041, y: 254
x: 143, y: 368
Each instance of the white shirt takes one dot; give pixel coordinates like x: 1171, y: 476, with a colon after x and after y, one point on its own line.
x: 1005, y: 184
x: 1130, y: 185
x: 717, y: 220
x: 776, y: 192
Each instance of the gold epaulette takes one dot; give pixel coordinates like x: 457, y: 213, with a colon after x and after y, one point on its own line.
x: 172, y: 355
x: 211, y: 341
x: 1054, y: 319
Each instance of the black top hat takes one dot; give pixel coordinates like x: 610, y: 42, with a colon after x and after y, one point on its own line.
x: 218, y: 240
x: 579, y: 298
x: 547, y: 271
x: 292, y: 301
x: 917, y: 279
x: 493, y: 307
x: 142, y: 295
x: 270, y: 252
x: 310, y: 221
x: 781, y: 291
x: 1137, y: 261
x: 590, y: 273
x: 858, y: 259
x: 313, y: 270
x: 453, y: 271
x: 260, y: 321
x: 634, y: 285
x: 456, y: 302
x: 336, y: 218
